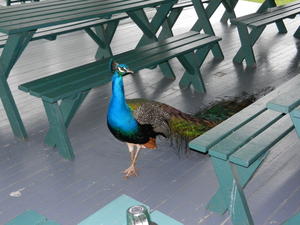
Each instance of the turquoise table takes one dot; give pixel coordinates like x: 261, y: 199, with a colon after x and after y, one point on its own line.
x: 114, y: 213
x: 20, y: 23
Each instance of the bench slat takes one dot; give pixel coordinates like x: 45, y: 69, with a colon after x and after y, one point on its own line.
x: 40, y: 21
x: 285, y: 102
x: 33, y: 14
x: 250, y: 152
x: 136, y: 59
x: 63, y: 75
x: 211, y: 137
x: 50, y: 5
x: 236, y: 139
x: 139, y: 63
x: 275, y: 18
x: 67, y: 28
x: 255, y: 17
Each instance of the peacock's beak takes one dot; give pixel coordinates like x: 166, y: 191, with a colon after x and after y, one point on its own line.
x: 128, y: 71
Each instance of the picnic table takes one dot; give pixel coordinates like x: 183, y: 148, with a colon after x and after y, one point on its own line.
x: 267, y: 14
x: 23, y: 23
x: 239, y: 145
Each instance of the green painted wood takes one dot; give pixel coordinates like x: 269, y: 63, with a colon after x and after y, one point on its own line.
x: 239, y: 210
x: 50, y: 222
x: 229, y: 13
x: 53, y: 31
x: 258, y: 21
x: 10, y: 54
x: 138, y: 64
x: 192, y: 36
x: 60, y: 134
x: 169, y: 23
x: 295, y: 117
x: 54, y: 13
x: 52, y: 89
x: 156, y: 22
x: 204, y: 142
x: 251, y: 151
x: 281, y: 15
x: 106, y: 34
x: 114, y: 213
x: 220, y: 202
x: 239, y: 137
x: 192, y: 76
x: 68, y: 108
x: 295, y: 220
x: 160, y: 218
x: 285, y: 102
x: 253, y: 36
x: 246, y: 45
x: 223, y: 198
x: 209, y: 10
x: 297, y: 33
x: 140, y: 18
x: 207, y: 28
x: 29, y: 217
x: 273, y: 13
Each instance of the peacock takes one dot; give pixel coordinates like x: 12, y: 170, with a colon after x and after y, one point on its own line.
x: 138, y: 122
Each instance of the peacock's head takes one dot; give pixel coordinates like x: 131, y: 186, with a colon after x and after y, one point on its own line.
x: 120, y: 69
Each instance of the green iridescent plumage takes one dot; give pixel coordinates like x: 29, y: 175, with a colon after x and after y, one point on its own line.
x: 179, y: 127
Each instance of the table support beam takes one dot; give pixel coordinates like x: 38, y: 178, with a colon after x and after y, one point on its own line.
x: 13, y: 49
x: 59, y: 117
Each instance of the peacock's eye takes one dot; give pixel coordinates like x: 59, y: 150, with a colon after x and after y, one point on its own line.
x: 122, y: 69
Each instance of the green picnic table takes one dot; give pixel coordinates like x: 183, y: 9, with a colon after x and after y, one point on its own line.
x: 267, y: 14
x: 239, y: 145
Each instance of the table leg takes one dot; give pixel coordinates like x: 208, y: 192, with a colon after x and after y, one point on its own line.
x: 293, y: 220
x: 59, y: 117
x: 229, y: 12
x: 13, y: 48
x: 232, y: 179
x: 297, y: 33
x: 103, y: 36
x: 247, y: 42
x: 192, y: 63
x: 203, y: 22
x: 150, y: 29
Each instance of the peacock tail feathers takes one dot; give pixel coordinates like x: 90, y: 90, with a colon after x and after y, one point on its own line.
x: 168, y: 121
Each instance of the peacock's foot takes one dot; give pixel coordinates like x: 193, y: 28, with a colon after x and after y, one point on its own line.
x: 130, y: 171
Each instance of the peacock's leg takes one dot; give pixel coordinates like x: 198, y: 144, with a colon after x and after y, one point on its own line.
x: 131, y: 170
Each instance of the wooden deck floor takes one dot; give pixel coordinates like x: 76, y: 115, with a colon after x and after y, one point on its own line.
x: 69, y: 191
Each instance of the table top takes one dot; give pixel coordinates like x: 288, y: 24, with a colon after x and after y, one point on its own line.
x: 26, y: 17
x: 114, y: 213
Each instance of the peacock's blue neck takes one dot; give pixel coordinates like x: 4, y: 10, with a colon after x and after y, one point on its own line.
x: 119, y: 114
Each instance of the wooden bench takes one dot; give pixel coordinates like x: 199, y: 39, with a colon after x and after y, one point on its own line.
x: 73, y: 85
x: 239, y: 145
x: 289, y: 103
x: 31, y: 217
x: 258, y: 22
